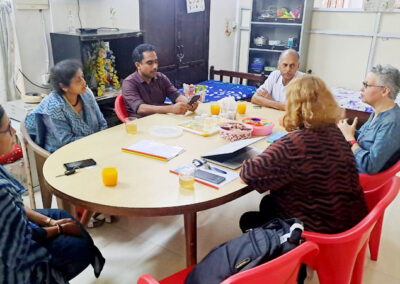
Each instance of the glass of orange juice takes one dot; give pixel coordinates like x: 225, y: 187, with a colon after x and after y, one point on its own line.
x: 215, y: 108
x: 131, y: 125
x: 241, y: 107
x: 110, y: 176
x: 186, y: 176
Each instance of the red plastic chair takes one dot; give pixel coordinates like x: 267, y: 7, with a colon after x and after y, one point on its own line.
x: 281, y: 270
x: 342, y: 256
x: 119, y: 108
x: 370, y: 182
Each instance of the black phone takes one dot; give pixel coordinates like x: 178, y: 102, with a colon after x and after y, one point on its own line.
x: 217, y: 179
x: 80, y: 164
x: 194, y: 99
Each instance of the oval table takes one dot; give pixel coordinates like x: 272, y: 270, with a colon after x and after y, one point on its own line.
x: 145, y: 186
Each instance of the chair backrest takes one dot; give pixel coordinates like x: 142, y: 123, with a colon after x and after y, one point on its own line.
x: 120, y: 109
x: 282, y: 270
x: 40, y: 157
x: 368, y: 182
x: 341, y: 253
x: 258, y: 79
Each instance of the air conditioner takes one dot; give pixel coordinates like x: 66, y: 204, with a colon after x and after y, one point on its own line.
x: 32, y: 4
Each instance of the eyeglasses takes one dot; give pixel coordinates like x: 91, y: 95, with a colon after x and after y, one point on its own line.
x: 9, y: 129
x: 365, y: 84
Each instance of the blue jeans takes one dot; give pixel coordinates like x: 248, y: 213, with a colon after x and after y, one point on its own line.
x: 70, y: 255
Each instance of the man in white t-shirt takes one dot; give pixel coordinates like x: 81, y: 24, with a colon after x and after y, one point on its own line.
x: 273, y: 92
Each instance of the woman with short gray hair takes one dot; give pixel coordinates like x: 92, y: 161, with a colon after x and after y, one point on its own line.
x: 376, y: 146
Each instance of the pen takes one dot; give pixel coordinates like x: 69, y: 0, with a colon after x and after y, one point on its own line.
x: 218, y: 170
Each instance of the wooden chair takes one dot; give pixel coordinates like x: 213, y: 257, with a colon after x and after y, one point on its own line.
x: 40, y: 157
x: 251, y: 78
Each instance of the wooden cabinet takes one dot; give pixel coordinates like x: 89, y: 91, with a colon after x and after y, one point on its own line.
x: 181, y: 39
x: 78, y: 46
x: 277, y: 25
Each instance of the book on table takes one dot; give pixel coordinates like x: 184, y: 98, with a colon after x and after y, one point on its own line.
x: 153, y: 149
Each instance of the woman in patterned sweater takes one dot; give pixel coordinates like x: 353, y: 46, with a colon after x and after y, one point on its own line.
x: 310, y: 173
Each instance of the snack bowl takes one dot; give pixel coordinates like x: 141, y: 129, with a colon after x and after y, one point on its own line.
x: 234, y: 131
x: 261, y: 126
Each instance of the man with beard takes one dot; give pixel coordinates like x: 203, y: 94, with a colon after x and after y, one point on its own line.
x: 273, y: 92
x: 145, y: 90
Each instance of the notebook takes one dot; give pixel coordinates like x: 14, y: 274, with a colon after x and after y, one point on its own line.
x: 275, y: 136
x: 233, y: 154
x: 155, y: 150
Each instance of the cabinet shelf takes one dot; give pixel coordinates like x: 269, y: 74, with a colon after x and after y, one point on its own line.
x: 266, y: 27
x: 276, y: 24
x: 267, y: 50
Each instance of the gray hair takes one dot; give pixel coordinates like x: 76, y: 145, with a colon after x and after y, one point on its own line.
x: 289, y: 51
x: 389, y: 77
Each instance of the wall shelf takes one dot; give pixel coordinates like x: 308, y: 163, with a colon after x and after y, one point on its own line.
x: 293, y: 32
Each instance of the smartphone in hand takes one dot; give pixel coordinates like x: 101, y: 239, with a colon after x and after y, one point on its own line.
x: 194, y: 99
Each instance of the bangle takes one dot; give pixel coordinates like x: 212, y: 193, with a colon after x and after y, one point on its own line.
x: 352, y: 142
x: 60, y: 231
x: 48, y: 220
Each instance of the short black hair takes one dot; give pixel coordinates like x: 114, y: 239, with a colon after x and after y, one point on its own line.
x: 62, y: 73
x: 2, y: 112
x: 137, y: 54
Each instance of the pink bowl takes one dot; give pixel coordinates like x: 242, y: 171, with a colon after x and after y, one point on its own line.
x: 259, y: 130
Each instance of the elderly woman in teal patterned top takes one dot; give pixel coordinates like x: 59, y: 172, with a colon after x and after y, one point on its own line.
x: 376, y: 146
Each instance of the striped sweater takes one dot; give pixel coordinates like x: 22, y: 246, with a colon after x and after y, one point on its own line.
x: 311, y: 175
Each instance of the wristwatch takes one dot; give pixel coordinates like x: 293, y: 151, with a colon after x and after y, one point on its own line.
x: 352, y: 142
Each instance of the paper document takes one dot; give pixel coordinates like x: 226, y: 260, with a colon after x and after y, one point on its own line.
x: 156, y: 150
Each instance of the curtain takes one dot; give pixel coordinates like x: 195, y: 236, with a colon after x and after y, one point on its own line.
x: 9, y: 54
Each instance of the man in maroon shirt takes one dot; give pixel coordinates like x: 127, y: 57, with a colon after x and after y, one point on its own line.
x: 145, y: 90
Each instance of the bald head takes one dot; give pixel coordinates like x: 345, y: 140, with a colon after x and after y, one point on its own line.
x: 288, y: 65
x: 289, y: 52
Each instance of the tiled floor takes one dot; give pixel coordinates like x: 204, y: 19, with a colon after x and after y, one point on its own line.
x: 155, y: 245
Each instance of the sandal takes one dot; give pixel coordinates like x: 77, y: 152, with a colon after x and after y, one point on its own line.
x: 93, y: 223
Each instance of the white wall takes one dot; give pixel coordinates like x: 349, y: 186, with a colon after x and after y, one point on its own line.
x: 221, y: 51
x: 342, y: 60
x: 96, y: 13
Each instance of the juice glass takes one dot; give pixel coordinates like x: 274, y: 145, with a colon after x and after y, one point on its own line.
x: 110, y: 176
x: 186, y: 176
x: 130, y: 125
x: 215, y: 108
x: 241, y: 108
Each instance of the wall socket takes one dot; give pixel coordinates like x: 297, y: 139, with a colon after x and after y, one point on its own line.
x: 45, y: 79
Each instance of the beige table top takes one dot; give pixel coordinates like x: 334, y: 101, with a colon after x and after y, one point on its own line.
x: 145, y: 186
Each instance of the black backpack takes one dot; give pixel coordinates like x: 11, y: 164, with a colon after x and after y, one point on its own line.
x: 254, y: 247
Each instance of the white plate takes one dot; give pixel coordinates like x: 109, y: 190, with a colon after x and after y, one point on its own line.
x: 165, y: 131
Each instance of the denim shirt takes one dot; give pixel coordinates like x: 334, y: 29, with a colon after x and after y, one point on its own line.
x: 379, y: 142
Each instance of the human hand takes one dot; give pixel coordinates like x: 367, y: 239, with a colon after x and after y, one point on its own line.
x: 348, y: 130
x: 264, y: 94
x: 61, y: 221
x: 180, y: 108
x: 194, y: 106
x: 71, y: 229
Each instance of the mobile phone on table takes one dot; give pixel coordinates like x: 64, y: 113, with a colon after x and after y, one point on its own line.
x: 80, y: 164
x: 217, y: 179
x: 194, y: 99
